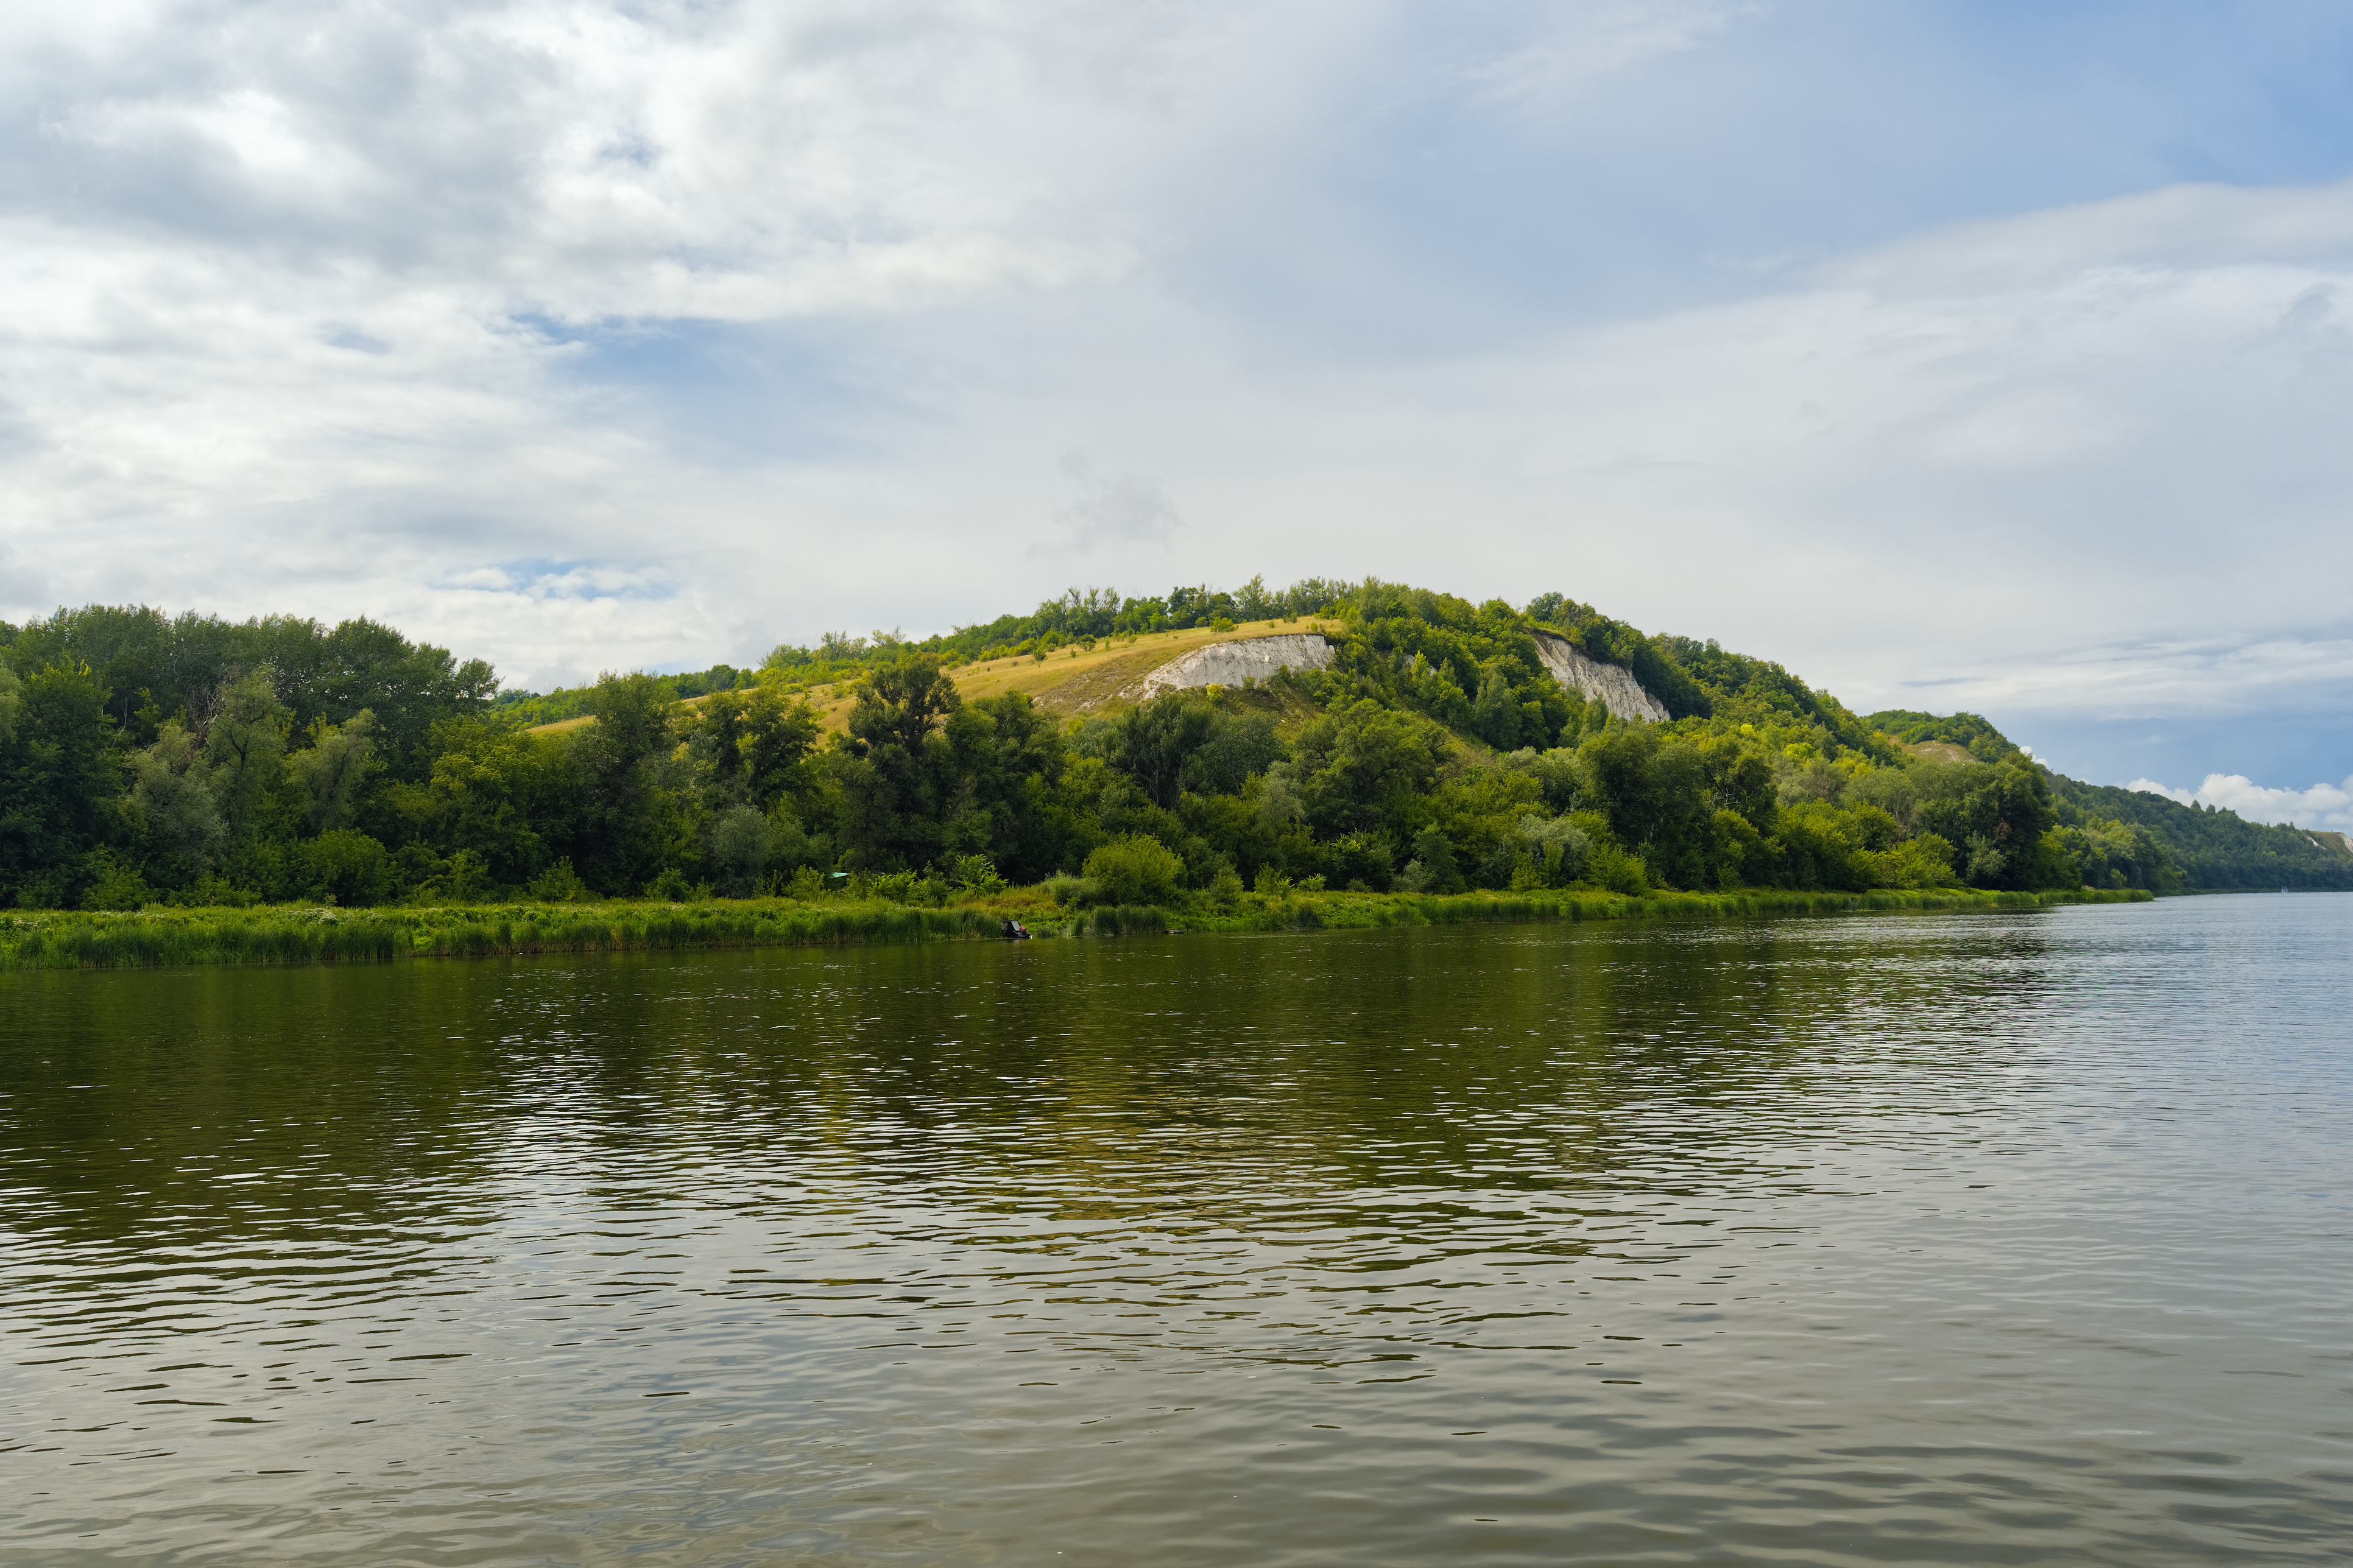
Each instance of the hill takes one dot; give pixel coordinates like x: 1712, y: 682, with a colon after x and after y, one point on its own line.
x: 2218, y: 851
x: 2210, y: 850
x: 1369, y: 736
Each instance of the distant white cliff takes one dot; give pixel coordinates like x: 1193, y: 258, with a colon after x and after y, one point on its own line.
x: 1231, y: 663
x: 1255, y: 659
x: 1613, y: 684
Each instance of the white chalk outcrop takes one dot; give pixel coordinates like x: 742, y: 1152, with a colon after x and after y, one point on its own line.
x: 1612, y: 683
x: 1231, y: 663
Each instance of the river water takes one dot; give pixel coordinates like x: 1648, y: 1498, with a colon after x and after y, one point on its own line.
x: 2012, y: 1238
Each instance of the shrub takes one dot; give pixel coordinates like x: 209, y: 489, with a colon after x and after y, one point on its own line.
x: 468, y: 875
x: 1613, y: 868
x: 739, y: 849
x: 348, y: 869
x: 1556, y: 846
x: 559, y: 884
x: 118, y: 886
x: 1434, y: 853
x: 1137, y: 869
x: 1925, y: 861
x: 975, y: 873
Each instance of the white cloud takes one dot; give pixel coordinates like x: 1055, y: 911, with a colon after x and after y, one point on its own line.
x: 1592, y: 39
x: 2324, y: 805
x: 1111, y: 512
x: 584, y: 161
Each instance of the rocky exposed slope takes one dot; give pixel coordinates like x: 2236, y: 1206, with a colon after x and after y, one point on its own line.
x: 1612, y: 683
x: 1255, y: 659
x: 1231, y: 663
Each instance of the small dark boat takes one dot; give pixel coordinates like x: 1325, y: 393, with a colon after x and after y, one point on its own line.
x: 1015, y: 931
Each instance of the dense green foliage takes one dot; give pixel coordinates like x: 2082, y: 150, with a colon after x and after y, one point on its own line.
x: 1080, y: 616
x: 2212, y: 849
x: 153, y: 668
x: 1971, y: 733
x: 532, y: 708
x: 1436, y: 756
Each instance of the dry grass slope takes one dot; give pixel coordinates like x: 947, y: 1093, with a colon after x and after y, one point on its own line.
x: 1068, y: 682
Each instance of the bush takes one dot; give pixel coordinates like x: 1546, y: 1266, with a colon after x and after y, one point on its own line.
x: 348, y: 869
x: 559, y: 884
x: 118, y: 886
x: 1613, y: 868
x: 1433, y: 853
x: 1925, y: 861
x: 975, y: 873
x: 1137, y: 869
x: 739, y: 849
x: 1556, y: 849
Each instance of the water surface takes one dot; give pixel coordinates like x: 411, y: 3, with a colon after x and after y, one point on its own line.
x: 2012, y: 1238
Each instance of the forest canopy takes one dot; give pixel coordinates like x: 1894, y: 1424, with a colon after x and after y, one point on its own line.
x: 150, y: 758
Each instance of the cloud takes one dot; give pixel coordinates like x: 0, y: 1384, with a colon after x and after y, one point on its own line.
x: 1111, y: 512
x: 1598, y: 38
x: 736, y: 161
x: 2324, y: 805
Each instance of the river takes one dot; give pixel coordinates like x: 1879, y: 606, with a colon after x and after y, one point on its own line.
x: 1944, y: 1238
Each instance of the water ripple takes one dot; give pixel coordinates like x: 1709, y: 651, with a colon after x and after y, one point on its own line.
x: 1950, y: 1239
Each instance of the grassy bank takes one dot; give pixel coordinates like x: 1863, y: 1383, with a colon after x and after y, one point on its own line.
x: 159, y: 937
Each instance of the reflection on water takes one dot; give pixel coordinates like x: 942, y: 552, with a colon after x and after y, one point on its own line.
x: 2015, y: 1238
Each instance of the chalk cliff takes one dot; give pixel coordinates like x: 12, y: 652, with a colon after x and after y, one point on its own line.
x: 1230, y: 663
x: 1612, y: 683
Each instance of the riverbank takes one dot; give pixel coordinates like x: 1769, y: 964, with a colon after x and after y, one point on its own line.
x: 168, y: 937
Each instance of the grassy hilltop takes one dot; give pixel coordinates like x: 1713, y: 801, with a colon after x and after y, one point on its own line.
x: 159, y: 764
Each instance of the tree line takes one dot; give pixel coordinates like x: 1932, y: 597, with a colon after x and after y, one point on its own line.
x: 148, y: 758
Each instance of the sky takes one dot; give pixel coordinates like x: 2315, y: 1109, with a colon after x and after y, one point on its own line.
x: 1978, y: 356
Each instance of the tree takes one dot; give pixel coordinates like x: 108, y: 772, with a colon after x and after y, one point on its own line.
x: 620, y: 827
x: 1999, y: 817
x: 1495, y: 712
x: 172, y: 796
x: 739, y: 849
x: 159, y: 667
x: 244, y: 729
x: 748, y: 744
x: 60, y: 777
x: 893, y: 771
x: 1151, y: 743
x: 901, y: 703
x: 1006, y: 765
x: 1364, y: 768
x: 329, y: 772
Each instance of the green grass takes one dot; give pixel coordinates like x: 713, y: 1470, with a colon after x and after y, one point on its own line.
x: 1337, y: 911
x: 172, y: 937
